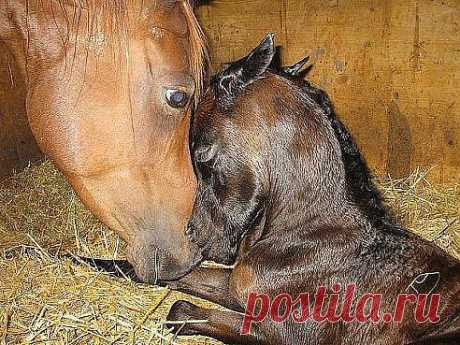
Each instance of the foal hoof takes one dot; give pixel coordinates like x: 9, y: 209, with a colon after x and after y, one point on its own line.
x: 179, y: 314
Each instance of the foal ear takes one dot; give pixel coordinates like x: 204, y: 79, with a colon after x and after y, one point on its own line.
x: 295, y: 69
x: 246, y: 70
x: 259, y: 59
x: 205, y: 153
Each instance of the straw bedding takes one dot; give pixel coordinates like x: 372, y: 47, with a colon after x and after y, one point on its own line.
x: 45, y: 299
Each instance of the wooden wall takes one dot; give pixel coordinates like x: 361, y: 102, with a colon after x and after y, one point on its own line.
x: 392, y: 68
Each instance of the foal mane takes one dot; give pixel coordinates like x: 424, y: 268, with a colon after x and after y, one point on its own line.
x: 361, y: 188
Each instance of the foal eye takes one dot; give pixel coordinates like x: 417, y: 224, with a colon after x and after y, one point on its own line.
x: 176, y: 98
x: 205, y: 170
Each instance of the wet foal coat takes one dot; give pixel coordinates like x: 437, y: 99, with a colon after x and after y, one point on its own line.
x: 284, y: 193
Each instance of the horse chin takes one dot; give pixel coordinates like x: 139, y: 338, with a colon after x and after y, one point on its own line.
x: 179, y: 272
x: 167, y: 270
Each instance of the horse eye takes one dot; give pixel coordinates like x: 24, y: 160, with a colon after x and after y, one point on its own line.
x: 176, y: 98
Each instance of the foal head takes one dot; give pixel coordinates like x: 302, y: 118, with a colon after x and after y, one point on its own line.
x: 265, y: 155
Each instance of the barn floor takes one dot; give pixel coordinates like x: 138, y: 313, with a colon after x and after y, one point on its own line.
x: 47, y: 300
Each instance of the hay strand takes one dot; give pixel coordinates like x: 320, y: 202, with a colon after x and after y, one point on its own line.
x: 45, y: 299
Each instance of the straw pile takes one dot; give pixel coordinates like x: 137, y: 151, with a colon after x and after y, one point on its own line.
x: 48, y: 300
x: 431, y: 211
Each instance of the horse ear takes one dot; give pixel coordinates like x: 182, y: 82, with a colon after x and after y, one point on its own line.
x: 249, y: 68
x: 295, y: 69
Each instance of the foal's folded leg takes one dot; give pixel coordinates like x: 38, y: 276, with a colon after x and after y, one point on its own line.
x: 211, y: 284
x: 221, y: 325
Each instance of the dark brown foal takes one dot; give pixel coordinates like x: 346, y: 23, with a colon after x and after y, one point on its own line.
x: 284, y: 193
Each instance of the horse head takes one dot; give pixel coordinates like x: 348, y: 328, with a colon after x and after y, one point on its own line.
x: 111, y: 87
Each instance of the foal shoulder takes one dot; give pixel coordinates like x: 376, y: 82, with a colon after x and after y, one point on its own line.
x: 263, y: 269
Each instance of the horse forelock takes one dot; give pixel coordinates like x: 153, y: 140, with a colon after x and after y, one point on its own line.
x: 107, y: 21
x: 198, y: 55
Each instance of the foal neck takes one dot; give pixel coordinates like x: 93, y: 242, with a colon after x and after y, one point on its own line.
x: 327, y: 214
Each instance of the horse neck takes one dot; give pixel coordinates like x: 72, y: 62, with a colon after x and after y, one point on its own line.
x: 301, y: 195
x: 361, y: 187
x: 313, y: 190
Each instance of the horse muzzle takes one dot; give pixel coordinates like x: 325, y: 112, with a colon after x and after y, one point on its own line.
x: 154, y: 262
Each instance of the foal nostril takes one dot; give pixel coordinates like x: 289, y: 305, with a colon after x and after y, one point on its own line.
x: 190, y: 231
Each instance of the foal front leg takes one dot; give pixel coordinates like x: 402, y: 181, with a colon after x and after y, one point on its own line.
x: 224, y: 326
x: 211, y: 284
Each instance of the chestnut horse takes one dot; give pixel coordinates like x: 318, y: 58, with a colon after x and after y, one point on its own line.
x: 107, y: 88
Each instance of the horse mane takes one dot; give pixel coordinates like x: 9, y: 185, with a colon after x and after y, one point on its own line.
x: 361, y: 188
x: 198, y: 57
